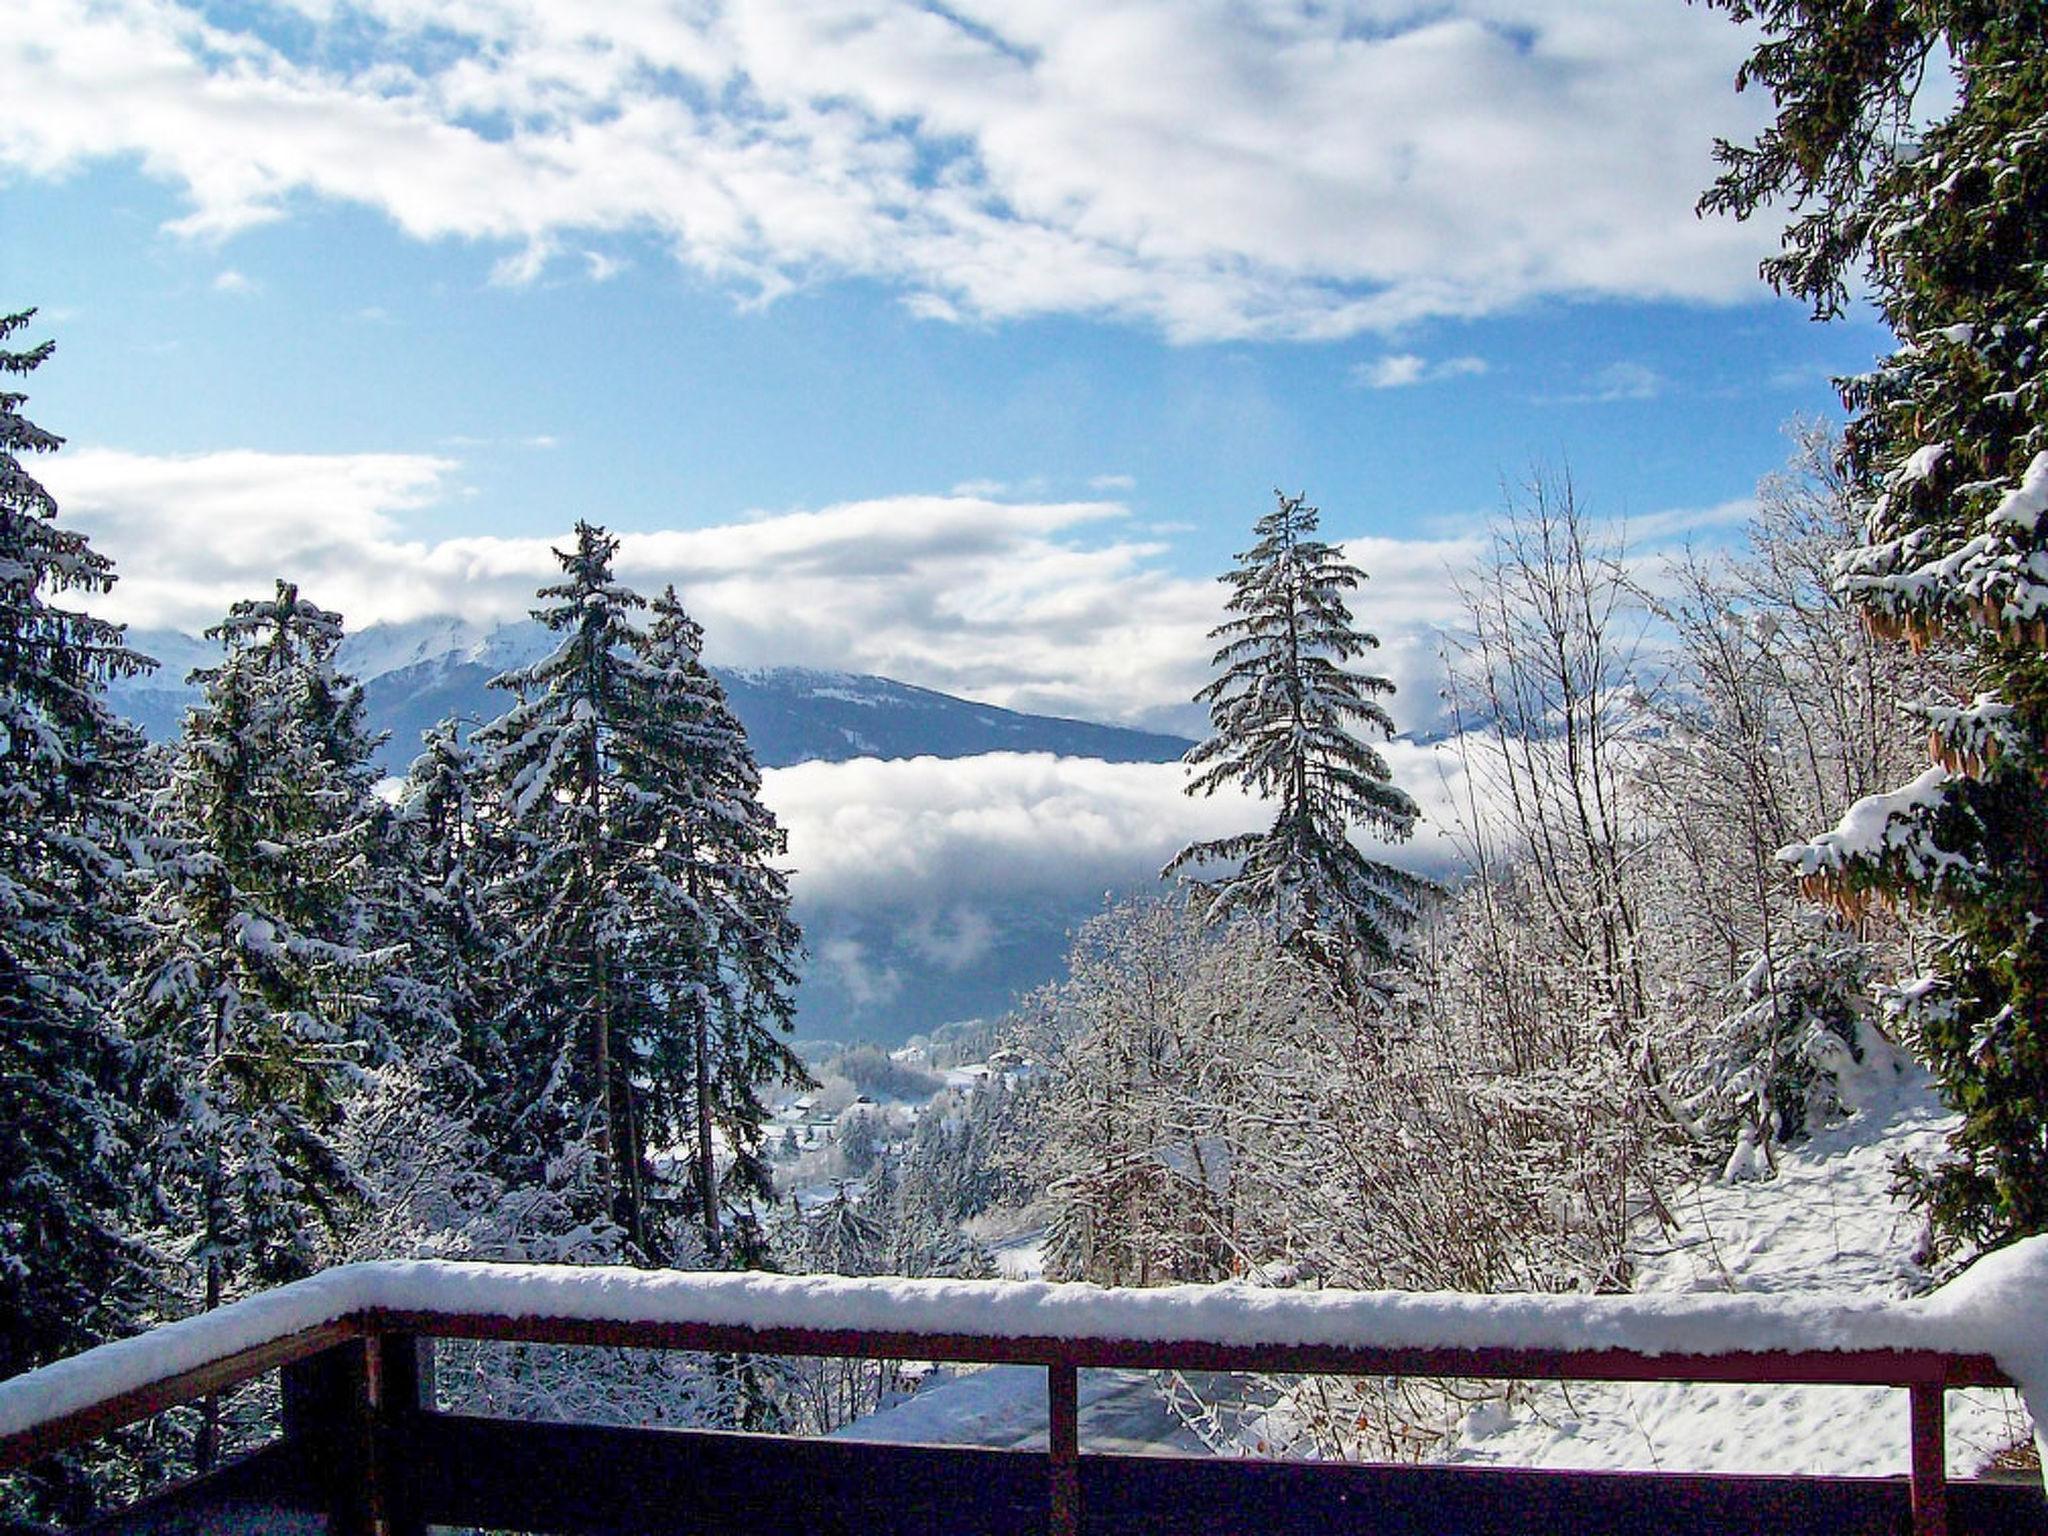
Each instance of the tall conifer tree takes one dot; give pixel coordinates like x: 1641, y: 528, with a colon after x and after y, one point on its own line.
x: 656, y: 943
x: 719, y: 944
x: 254, y: 1001
x: 561, y: 814
x: 1286, y: 710
x: 1947, y: 455
x: 71, y: 1274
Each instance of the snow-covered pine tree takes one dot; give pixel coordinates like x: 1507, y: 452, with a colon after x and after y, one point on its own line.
x: 71, y: 1272
x: 718, y: 942
x: 655, y: 941
x: 1285, y: 710
x: 844, y: 1237
x: 253, y: 1003
x: 557, y: 811
x: 859, y: 1142
x: 1948, y: 457
x: 433, y: 859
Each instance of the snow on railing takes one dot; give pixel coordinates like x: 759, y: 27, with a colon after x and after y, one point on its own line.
x: 1987, y: 1328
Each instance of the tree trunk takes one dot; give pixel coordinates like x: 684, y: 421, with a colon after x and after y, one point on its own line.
x: 707, y: 1165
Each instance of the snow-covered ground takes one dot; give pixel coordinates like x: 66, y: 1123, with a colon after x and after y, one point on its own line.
x: 1021, y: 1257
x: 1825, y: 1225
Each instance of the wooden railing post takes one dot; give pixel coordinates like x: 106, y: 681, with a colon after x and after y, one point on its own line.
x: 1063, y: 1445
x: 325, y: 1410
x: 1929, y: 1407
x: 401, y: 1387
x: 349, y: 1411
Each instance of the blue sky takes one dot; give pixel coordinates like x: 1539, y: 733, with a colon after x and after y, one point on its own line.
x: 393, y: 291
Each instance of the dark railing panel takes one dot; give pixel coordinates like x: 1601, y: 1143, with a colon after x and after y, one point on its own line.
x: 271, y: 1490
x: 586, y: 1480
x: 1129, y: 1495
x: 609, y: 1482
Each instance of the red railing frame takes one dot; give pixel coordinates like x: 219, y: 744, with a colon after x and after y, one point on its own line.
x: 377, y: 1346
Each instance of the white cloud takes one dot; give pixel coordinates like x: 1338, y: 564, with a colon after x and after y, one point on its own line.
x: 1398, y: 370
x: 1395, y: 371
x: 936, y: 835
x: 1060, y: 607
x: 1290, y: 170
x: 189, y: 535
x: 1054, y: 606
x: 1614, y: 382
x: 1677, y: 524
x: 231, y: 281
x: 954, y: 940
x: 867, y: 982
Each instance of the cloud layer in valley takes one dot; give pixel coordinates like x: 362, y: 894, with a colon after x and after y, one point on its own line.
x: 964, y: 829
x: 930, y: 889
x: 1209, y: 169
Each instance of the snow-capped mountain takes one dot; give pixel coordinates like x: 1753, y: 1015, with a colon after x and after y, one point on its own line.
x: 417, y: 674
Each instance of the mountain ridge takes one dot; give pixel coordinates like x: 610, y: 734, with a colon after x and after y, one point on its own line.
x: 417, y: 674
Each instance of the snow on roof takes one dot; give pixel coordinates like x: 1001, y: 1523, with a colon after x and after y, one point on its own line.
x: 1998, y: 1308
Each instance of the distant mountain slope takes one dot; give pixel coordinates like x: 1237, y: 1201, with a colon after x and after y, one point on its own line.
x: 416, y: 675
x: 794, y: 715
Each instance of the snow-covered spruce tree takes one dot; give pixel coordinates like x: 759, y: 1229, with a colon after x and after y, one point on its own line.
x: 844, y: 1237
x: 253, y: 1003
x: 560, y: 881
x: 653, y: 959
x: 252, y: 1000
x: 719, y: 947
x: 1285, y: 711
x: 1948, y: 457
x: 421, y: 1122
x: 431, y: 895
x: 71, y: 1272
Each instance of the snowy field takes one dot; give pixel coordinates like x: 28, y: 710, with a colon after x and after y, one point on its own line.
x: 1825, y: 1226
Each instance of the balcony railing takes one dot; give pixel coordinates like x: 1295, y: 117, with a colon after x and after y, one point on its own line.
x: 364, y: 1449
